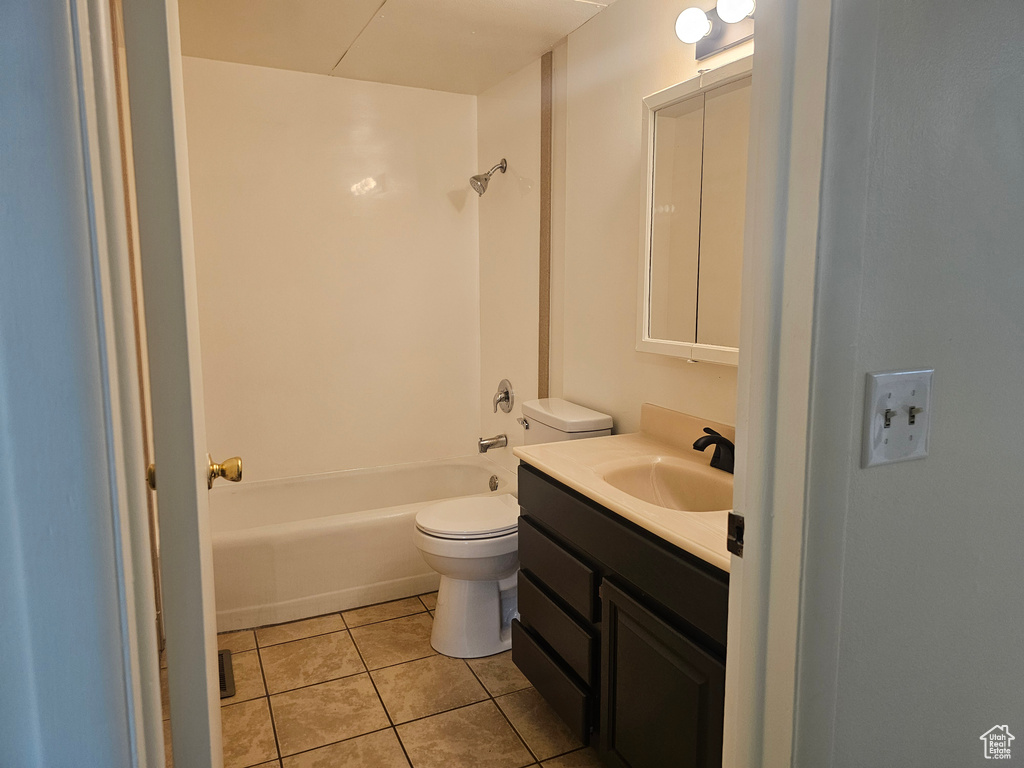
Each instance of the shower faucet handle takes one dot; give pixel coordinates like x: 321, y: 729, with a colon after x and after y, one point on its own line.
x: 504, y: 397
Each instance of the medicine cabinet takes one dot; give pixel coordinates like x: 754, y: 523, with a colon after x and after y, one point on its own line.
x: 695, y: 147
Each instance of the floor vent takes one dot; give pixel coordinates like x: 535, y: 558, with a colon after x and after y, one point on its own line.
x: 227, y: 674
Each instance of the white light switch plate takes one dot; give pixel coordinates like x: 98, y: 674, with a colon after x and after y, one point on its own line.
x: 906, y: 437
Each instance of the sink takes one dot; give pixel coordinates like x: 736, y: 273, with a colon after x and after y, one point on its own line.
x: 674, y: 484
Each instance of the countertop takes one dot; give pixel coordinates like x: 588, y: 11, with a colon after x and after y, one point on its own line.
x: 580, y: 465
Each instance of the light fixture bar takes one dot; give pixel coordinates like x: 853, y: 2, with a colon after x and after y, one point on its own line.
x: 723, y: 36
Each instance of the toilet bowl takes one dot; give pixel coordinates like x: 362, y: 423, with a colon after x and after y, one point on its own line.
x: 473, y: 543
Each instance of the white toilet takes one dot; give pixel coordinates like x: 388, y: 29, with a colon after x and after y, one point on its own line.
x: 473, y: 543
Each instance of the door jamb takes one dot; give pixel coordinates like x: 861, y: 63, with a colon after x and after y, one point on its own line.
x: 774, y: 379
x: 93, y: 43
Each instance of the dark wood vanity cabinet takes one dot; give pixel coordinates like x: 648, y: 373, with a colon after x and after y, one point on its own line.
x: 623, y: 633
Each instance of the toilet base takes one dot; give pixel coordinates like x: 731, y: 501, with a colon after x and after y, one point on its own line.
x: 474, y: 618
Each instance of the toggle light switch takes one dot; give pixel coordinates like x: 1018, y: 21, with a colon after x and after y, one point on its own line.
x: 897, y: 416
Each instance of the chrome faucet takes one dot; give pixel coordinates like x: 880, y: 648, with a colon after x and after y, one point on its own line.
x: 486, y: 443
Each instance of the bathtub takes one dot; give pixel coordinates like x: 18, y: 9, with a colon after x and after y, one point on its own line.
x: 297, y: 547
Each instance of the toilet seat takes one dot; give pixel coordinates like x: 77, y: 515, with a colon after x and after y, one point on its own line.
x: 470, y: 518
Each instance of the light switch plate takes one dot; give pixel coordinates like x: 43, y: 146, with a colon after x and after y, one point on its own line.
x: 904, y: 399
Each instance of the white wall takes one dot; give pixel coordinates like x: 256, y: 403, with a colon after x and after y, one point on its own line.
x: 62, y: 653
x: 508, y: 118
x: 626, y: 52
x: 912, y: 617
x: 338, y: 329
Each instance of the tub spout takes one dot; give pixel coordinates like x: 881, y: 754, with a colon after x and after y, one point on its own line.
x: 486, y: 443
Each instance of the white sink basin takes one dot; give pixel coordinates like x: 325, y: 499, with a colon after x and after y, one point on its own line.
x: 673, y: 484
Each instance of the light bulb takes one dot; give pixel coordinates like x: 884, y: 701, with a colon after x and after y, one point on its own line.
x: 731, y: 11
x: 692, y: 25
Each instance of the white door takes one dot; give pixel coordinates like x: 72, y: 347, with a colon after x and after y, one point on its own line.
x: 172, y: 324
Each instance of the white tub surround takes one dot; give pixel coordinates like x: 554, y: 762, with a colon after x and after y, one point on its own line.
x: 298, y: 547
x: 665, y: 436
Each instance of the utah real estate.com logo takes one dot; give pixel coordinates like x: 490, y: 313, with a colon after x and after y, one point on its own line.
x: 997, y: 742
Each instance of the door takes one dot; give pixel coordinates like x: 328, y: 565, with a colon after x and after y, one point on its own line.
x: 172, y: 324
x: 662, y: 697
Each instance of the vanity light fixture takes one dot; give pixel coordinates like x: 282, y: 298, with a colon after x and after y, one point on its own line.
x: 733, y: 11
x: 730, y: 23
x: 692, y: 25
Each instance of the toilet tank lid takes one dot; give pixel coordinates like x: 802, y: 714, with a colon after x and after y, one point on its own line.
x: 565, y: 416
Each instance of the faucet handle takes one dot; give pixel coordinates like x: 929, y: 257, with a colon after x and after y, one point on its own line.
x: 504, y: 397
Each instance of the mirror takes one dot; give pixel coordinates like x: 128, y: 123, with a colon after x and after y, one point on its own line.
x: 695, y: 144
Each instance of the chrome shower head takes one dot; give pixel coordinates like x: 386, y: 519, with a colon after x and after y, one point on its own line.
x: 479, y: 182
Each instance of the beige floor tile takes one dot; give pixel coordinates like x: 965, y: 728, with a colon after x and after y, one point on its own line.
x: 248, y: 678
x: 168, y: 756
x: 499, y: 674
x: 476, y: 736
x: 427, y: 686
x: 581, y: 758
x: 248, y: 734
x: 375, y: 750
x: 322, y: 714
x: 236, y: 642
x: 382, y: 612
x: 312, y: 660
x: 297, y: 630
x: 429, y: 600
x: 542, y: 730
x: 395, y: 641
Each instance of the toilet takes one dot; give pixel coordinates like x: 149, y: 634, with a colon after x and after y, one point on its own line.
x: 473, y: 542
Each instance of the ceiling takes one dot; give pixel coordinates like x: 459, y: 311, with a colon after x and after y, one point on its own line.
x: 463, y: 46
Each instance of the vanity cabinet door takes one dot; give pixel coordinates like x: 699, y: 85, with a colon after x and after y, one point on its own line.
x: 662, y: 697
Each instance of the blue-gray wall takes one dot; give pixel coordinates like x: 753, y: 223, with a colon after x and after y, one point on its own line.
x: 913, y: 623
x: 62, y: 686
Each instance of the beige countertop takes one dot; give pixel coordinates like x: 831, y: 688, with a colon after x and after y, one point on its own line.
x: 581, y: 464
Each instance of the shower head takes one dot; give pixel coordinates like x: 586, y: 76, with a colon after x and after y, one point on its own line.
x: 479, y: 183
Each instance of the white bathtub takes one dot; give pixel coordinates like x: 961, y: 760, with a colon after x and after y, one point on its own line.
x: 288, y: 549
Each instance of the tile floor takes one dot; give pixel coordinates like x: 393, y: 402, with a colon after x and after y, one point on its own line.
x: 364, y: 689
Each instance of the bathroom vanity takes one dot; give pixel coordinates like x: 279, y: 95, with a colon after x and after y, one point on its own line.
x: 624, y: 602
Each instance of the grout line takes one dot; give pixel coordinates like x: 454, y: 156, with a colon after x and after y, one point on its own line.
x: 339, y: 741
x: 270, y: 707
x: 380, y: 698
x: 516, y: 731
x: 256, y: 637
x: 300, y: 639
x: 393, y: 618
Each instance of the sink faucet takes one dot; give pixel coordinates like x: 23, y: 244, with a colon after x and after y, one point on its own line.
x: 486, y: 443
x: 725, y: 451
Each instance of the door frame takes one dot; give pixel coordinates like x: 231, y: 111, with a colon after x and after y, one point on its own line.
x: 791, y: 59
x: 784, y: 180
x: 92, y: 38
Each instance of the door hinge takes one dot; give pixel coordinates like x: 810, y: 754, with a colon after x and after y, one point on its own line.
x: 735, y: 542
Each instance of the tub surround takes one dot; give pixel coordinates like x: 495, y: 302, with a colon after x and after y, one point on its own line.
x: 664, y: 433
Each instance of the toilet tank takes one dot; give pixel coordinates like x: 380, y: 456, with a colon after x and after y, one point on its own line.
x: 552, y: 419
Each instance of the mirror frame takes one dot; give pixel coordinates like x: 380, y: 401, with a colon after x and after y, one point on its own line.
x: 690, y: 350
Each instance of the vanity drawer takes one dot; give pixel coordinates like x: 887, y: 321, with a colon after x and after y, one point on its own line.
x: 694, y: 590
x: 570, y: 578
x: 569, y: 699
x: 576, y: 644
